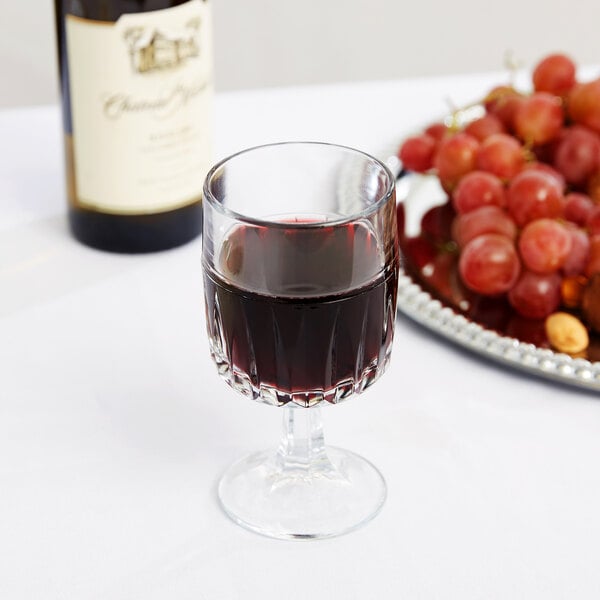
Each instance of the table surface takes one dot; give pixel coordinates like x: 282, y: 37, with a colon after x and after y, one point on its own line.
x: 114, y: 426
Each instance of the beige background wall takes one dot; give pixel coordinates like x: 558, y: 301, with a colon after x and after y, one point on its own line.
x: 262, y: 43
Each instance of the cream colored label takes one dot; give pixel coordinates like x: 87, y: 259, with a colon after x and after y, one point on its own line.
x: 141, y: 106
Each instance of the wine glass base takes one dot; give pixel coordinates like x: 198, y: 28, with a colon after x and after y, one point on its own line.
x: 335, y: 495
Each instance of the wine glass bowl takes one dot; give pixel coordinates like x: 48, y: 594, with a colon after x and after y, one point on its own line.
x: 300, y: 259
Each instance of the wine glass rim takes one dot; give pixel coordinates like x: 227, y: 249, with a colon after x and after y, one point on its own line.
x: 209, y: 197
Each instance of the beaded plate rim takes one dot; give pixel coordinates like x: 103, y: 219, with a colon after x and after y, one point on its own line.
x: 420, y: 306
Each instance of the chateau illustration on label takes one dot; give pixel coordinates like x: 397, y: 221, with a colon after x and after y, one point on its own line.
x: 156, y: 50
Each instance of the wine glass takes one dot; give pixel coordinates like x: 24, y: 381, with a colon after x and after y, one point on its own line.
x: 300, y: 261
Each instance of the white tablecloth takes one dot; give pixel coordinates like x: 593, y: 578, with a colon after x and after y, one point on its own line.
x: 114, y: 426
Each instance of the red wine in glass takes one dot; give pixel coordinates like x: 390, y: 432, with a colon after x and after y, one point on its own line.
x: 298, y: 315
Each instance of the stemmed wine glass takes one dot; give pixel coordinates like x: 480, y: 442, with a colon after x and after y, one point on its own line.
x: 300, y: 260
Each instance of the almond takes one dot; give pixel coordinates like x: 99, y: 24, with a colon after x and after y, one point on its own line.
x: 566, y: 333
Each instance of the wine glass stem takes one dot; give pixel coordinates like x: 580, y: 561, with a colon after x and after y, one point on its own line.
x: 302, y: 445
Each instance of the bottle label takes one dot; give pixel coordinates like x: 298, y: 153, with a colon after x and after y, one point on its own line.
x: 141, y: 95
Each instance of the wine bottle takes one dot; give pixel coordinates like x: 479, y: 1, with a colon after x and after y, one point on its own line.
x: 136, y: 88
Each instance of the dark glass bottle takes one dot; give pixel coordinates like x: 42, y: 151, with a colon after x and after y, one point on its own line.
x: 136, y: 88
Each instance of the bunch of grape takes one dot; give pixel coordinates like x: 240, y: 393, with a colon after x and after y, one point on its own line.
x: 524, y: 182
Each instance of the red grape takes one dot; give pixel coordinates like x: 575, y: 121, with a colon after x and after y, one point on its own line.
x: 545, y: 168
x: 554, y: 74
x: 578, y: 154
x: 502, y: 155
x: 539, y: 118
x: 497, y: 95
x: 417, y: 153
x: 437, y: 131
x: 502, y: 102
x: 578, y: 208
x: 536, y: 295
x: 489, y: 264
x: 421, y: 251
x: 584, y: 104
x: 487, y: 219
x: 477, y: 189
x: 580, y: 252
x: 544, y: 153
x: 534, y: 195
x: 544, y: 245
x: 437, y: 273
x: 436, y: 223
x: 485, y: 126
x: 455, y: 157
x: 593, y: 265
x: 593, y: 221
